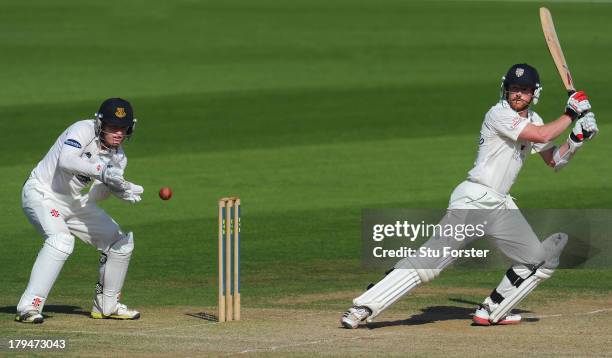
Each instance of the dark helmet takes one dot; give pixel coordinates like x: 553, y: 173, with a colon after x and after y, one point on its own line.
x: 522, y: 74
x: 116, y: 112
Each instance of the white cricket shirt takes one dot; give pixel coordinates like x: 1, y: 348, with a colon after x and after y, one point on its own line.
x: 500, y: 154
x: 75, y: 160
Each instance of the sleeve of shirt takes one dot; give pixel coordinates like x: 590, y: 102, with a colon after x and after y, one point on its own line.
x: 70, y: 158
x: 507, y: 123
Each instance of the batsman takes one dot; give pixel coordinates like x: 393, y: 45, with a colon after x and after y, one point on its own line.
x: 89, y: 153
x: 510, y: 131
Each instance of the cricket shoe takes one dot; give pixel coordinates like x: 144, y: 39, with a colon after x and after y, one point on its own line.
x: 483, y: 313
x: 121, y: 311
x: 29, y: 317
x: 356, y: 314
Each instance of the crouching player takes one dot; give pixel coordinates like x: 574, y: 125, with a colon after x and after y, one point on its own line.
x: 87, y: 152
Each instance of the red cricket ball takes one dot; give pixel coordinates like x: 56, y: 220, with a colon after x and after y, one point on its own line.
x: 165, y: 193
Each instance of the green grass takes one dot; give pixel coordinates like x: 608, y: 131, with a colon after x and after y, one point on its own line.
x: 309, y: 110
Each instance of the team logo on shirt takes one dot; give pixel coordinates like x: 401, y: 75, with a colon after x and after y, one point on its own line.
x: 519, y: 72
x: 516, y: 121
x: 120, y: 112
x: 73, y: 143
x: 55, y: 213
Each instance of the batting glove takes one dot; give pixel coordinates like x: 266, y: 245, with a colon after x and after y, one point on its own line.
x: 589, y: 126
x: 577, y: 105
x: 584, y: 129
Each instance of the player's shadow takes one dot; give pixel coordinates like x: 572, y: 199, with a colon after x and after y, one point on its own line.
x: 438, y: 314
x: 428, y: 315
x: 50, y: 309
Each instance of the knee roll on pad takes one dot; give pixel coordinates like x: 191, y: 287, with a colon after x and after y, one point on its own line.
x: 124, y: 246
x: 425, y: 274
x: 553, y: 246
x: 544, y: 273
x: 61, y: 242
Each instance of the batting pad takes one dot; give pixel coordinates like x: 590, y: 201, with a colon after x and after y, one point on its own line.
x: 388, y: 290
x: 114, y: 271
x: 520, y: 293
x: 554, y: 245
x: 45, y: 271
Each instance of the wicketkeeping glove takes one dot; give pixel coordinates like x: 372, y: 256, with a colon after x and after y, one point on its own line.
x: 131, y: 194
x: 577, y: 105
x: 113, y: 178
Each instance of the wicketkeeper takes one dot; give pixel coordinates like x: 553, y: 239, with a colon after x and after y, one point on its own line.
x: 510, y: 131
x: 89, y: 152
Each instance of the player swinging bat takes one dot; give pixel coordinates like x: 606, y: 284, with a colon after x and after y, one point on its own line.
x: 510, y: 131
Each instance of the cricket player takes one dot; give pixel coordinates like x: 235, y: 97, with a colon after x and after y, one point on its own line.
x: 89, y: 152
x: 510, y: 131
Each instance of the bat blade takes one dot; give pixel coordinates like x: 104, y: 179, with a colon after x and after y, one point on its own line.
x: 550, y: 34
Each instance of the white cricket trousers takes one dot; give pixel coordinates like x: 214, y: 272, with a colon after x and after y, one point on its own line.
x: 473, y: 203
x: 59, y: 219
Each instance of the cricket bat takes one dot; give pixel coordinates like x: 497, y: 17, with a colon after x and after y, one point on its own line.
x: 550, y: 34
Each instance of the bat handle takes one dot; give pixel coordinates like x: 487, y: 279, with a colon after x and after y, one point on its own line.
x: 570, y: 92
